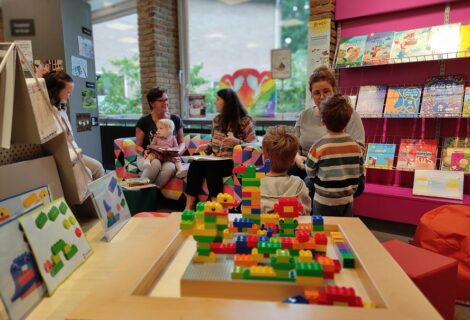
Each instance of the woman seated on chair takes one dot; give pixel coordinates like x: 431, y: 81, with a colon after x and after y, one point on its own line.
x: 230, y: 127
x: 145, y: 130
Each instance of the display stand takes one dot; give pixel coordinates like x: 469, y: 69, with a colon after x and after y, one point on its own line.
x: 23, y: 120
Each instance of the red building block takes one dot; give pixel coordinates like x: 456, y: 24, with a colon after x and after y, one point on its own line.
x: 435, y: 275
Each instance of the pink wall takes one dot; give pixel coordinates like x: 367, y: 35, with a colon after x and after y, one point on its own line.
x: 348, y: 9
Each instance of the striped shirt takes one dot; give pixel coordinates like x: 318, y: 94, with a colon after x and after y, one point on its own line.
x: 246, y: 133
x: 335, y: 164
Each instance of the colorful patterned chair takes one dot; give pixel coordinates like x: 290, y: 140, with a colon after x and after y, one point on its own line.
x: 125, y: 163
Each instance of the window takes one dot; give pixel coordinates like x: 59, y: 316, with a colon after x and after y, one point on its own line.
x: 229, y: 44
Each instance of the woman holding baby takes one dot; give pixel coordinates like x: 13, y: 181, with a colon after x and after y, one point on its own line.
x: 230, y: 127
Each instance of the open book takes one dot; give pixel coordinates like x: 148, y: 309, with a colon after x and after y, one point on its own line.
x: 210, y: 157
x: 167, y: 151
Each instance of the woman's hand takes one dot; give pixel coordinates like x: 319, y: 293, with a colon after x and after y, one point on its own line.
x: 300, y: 161
x: 201, y: 147
x: 230, y: 140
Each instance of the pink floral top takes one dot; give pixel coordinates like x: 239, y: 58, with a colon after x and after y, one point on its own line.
x: 246, y: 133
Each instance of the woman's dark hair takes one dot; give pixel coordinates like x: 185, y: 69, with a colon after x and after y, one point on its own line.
x: 232, y: 111
x: 322, y: 73
x: 55, y: 82
x: 154, y: 94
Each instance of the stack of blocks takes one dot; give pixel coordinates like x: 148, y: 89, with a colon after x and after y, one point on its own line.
x: 343, y: 250
x: 251, y: 194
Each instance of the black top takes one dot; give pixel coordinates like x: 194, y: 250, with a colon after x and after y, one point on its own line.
x: 149, y: 128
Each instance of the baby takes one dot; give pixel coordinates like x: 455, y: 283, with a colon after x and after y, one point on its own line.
x: 164, y: 140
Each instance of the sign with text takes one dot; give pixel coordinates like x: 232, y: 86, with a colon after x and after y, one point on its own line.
x: 22, y: 27
x: 281, y: 63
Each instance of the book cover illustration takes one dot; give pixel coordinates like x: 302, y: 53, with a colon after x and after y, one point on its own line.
x: 370, y: 100
x: 436, y: 183
x: 411, y: 45
x: 460, y: 161
x: 402, y: 102
x: 377, y: 48
x: 445, y: 41
x: 453, y: 145
x: 350, y: 52
x: 380, y: 155
x: 110, y: 203
x: 464, y: 45
x: 443, y: 96
x: 58, y: 243
x: 417, y: 154
x: 466, y: 103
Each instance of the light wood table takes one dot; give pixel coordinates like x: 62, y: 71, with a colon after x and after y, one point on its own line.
x: 118, y: 281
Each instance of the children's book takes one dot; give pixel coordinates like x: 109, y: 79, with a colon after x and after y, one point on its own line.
x: 411, y: 45
x: 58, y: 243
x: 445, y: 41
x: 377, y: 48
x: 436, y: 183
x: 464, y: 46
x: 417, y: 154
x: 350, y: 52
x: 443, y: 96
x: 402, y: 102
x: 110, y: 203
x: 454, y: 153
x: 21, y: 286
x: 380, y: 155
x: 466, y: 103
x: 370, y: 100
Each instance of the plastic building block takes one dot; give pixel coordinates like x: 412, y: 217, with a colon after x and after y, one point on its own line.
x: 78, y: 232
x: 72, y: 220
x: 58, y: 247
x: 66, y: 224
x: 63, y: 208
x: 305, y: 256
x: 53, y: 213
x: 41, y: 220
x: 296, y: 300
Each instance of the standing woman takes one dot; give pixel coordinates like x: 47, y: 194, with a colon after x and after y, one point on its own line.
x: 146, y: 128
x: 59, y: 87
x: 232, y: 126
x: 309, y: 127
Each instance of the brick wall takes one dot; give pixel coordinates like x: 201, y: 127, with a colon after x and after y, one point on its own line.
x: 159, y: 49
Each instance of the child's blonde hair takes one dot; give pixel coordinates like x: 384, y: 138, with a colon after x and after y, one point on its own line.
x: 280, y: 145
x: 167, y: 123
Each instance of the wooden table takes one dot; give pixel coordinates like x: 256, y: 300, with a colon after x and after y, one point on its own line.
x: 118, y: 279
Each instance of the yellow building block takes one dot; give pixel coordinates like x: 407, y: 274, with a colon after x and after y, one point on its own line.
x: 305, y: 256
x: 262, y: 271
x: 205, y: 259
x: 309, y: 281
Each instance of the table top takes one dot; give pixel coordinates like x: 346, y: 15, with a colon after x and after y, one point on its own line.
x: 118, y: 279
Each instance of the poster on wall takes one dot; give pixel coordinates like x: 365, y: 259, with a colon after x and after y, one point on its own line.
x: 319, y: 34
x: 79, y: 67
x: 26, y: 49
x: 41, y: 67
x: 281, y: 63
x: 89, y: 99
x: 85, y: 47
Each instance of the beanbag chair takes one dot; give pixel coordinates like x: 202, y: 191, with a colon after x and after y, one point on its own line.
x: 446, y: 230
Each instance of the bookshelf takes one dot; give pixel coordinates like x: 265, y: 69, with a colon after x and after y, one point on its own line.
x: 388, y: 192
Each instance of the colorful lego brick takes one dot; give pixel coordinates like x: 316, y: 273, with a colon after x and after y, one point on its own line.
x: 262, y: 271
x: 238, y: 272
x: 309, y: 281
x: 305, y: 256
x: 53, y: 213
x: 302, y: 235
x: 223, y: 248
x: 256, y: 255
x: 66, y: 224
x: 63, y: 208
x: 70, y: 251
x: 205, y: 259
x: 252, y: 241
x: 267, y: 218
x: 72, y: 220
x: 309, y: 269
x: 41, y: 220
x: 214, y: 209
x: 244, y: 260
x: 320, y: 238
x: 226, y: 200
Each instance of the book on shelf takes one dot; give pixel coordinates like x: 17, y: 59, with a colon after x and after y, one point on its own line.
x: 443, y: 96
x: 445, y: 41
x: 436, y: 183
x: 350, y: 51
x: 464, y: 45
x: 411, y: 45
x: 455, y: 154
x: 402, y: 102
x: 466, y: 103
x: 380, y: 155
x: 417, y: 154
x: 377, y: 48
x: 370, y: 100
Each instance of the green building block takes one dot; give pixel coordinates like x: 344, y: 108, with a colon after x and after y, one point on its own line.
x: 41, y: 220
x: 187, y: 215
x: 348, y: 260
x: 58, y: 247
x: 71, y: 252
x: 123, y: 202
x: 56, y: 268
x: 53, y: 213
x: 203, y: 252
x: 309, y: 269
x: 63, y: 207
x: 238, y: 272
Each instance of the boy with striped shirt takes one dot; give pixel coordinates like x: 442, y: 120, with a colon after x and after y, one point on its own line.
x: 335, y: 162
